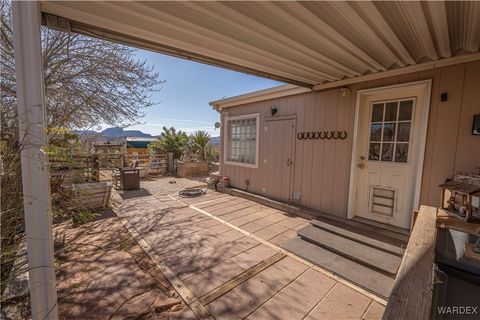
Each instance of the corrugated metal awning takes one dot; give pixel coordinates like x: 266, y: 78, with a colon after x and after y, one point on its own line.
x: 305, y: 43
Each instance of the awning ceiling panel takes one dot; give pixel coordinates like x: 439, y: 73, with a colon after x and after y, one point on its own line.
x: 306, y: 43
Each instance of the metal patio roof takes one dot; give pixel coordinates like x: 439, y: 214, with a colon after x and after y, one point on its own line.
x: 303, y: 43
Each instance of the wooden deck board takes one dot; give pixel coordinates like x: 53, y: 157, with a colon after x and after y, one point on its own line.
x: 391, y: 245
x: 362, y: 276
x: 356, y: 251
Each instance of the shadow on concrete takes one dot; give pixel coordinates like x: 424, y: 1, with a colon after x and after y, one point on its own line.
x: 130, y: 194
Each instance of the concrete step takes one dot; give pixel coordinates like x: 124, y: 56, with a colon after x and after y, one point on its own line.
x: 362, y: 235
x: 367, y: 278
x: 366, y: 255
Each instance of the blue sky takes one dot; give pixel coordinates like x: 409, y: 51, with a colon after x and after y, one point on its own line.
x: 190, y: 86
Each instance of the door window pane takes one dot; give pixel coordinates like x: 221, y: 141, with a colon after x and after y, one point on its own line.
x: 401, y: 152
x: 403, y: 132
x: 387, y: 151
x: 389, y: 132
x: 376, y: 132
x: 374, y: 151
x: 377, y: 112
x: 391, y: 111
x: 406, y: 108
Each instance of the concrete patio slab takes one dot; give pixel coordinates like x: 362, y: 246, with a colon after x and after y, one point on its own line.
x: 210, y: 242
x: 340, y: 303
x: 297, y: 299
x: 247, y: 297
x: 374, y: 311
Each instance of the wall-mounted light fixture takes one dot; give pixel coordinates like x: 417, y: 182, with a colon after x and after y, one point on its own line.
x: 344, y: 92
x: 273, y: 110
x: 476, y: 125
x: 443, y: 96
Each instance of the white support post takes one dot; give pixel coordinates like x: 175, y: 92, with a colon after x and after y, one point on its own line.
x: 35, y: 178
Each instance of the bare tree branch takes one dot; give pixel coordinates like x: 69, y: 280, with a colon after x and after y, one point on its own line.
x: 88, y: 82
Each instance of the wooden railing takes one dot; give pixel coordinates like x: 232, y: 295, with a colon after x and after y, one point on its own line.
x: 411, y: 297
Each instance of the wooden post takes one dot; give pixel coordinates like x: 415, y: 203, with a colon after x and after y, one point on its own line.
x: 411, y: 297
x: 95, y: 167
x: 171, y: 162
x: 35, y: 177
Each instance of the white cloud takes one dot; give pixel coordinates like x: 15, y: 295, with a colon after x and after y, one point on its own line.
x: 179, y: 121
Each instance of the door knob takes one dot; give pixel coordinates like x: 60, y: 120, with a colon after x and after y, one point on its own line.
x: 361, y: 165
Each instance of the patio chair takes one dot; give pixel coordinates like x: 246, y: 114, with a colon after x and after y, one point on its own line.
x: 117, y: 174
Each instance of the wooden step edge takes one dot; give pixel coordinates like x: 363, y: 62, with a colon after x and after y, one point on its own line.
x: 391, y: 231
x: 369, y: 225
x: 335, y: 272
x: 374, y: 243
x: 364, y: 263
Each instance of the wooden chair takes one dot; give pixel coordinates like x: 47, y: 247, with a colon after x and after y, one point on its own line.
x: 116, y: 178
x: 117, y: 175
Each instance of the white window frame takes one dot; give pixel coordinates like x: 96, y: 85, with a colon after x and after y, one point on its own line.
x: 257, y: 140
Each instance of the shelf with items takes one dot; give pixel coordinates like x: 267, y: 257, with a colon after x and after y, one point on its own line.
x: 461, y: 196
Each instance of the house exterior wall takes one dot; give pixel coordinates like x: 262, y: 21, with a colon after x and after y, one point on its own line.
x: 322, y: 167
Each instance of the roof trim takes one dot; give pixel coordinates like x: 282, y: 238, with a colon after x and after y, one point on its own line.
x: 306, y: 44
x: 260, y: 95
x: 67, y: 25
x: 400, y: 71
x: 289, y: 89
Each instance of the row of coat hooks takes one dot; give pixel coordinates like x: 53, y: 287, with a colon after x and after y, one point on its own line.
x: 322, y: 135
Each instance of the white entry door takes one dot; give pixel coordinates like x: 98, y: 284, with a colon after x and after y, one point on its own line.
x: 388, y: 153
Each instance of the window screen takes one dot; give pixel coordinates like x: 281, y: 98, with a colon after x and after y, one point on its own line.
x: 242, y: 140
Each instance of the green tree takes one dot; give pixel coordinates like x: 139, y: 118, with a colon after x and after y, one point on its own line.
x: 199, y: 141
x: 170, y: 140
x: 212, y: 153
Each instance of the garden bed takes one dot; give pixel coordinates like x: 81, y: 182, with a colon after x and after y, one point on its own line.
x: 192, y: 168
x: 93, y: 195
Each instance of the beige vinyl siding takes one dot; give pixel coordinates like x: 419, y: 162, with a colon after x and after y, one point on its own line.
x: 322, y: 167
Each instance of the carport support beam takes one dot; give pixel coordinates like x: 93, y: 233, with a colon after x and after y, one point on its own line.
x: 35, y: 178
